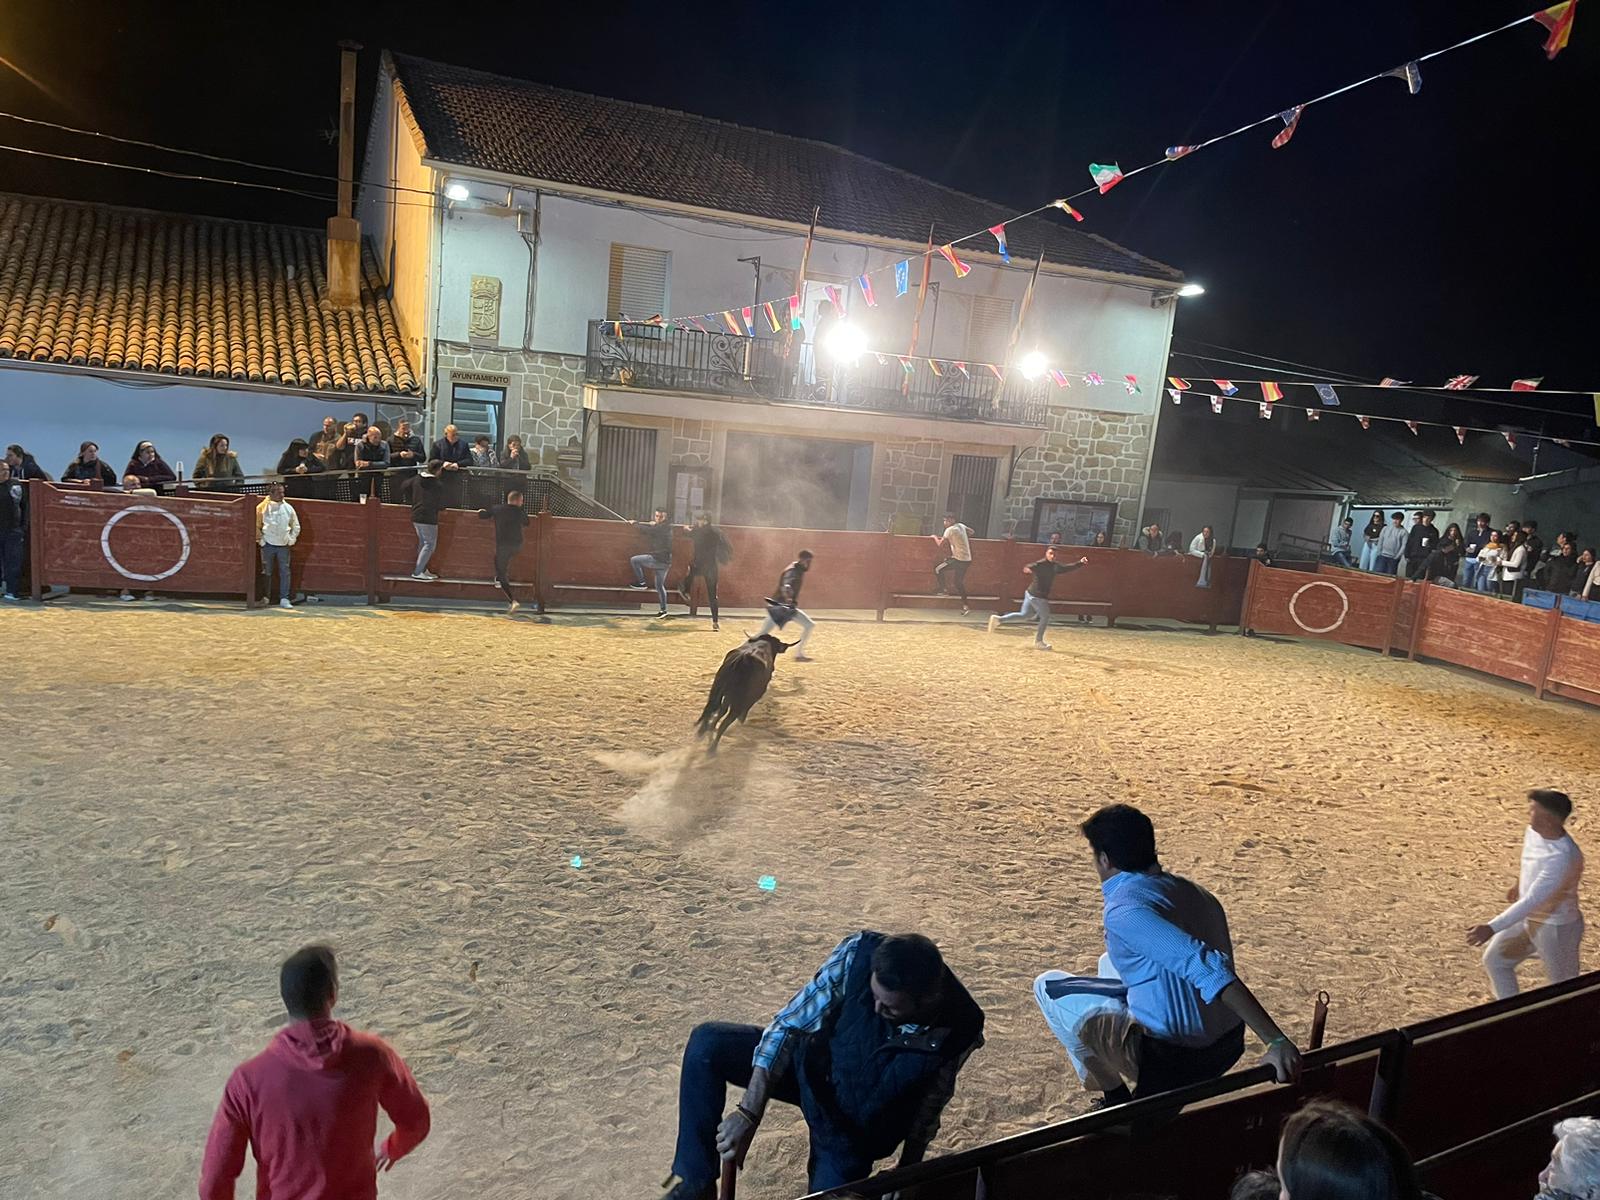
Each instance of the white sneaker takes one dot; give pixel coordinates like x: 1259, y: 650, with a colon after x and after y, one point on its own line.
x: 126, y: 595
x: 804, y: 658
x: 514, y: 606
x: 994, y: 622
x: 1041, y: 645
x: 284, y: 603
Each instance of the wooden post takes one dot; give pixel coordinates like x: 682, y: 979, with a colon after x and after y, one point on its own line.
x: 541, y: 551
x: 36, y: 493
x: 883, y: 570
x: 1549, y: 655
x: 1394, y: 614
x: 372, y: 506
x: 250, y: 555
x: 1249, y: 595
x: 1416, y: 619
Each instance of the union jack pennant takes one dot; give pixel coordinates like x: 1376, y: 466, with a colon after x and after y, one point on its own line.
x: 1291, y: 119
x: 1131, y: 385
x: 865, y: 283
x: 962, y: 270
x: 999, y: 232
x: 1093, y: 379
x: 1460, y: 383
x: 1227, y: 388
x: 1216, y: 404
x: 1181, y: 385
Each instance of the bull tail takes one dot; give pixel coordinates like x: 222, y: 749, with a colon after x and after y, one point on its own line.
x: 715, y: 705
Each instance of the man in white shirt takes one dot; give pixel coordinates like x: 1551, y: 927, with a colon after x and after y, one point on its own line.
x: 277, y: 528
x: 957, y: 540
x: 1544, y: 919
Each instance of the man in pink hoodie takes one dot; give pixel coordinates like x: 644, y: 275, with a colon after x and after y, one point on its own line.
x: 307, y: 1106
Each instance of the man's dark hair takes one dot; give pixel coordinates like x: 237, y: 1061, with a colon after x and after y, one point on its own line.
x: 1124, y: 835
x: 1256, y: 1185
x: 1552, y: 801
x: 908, y: 962
x: 658, y: 509
x: 805, y: 554
x: 307, y: 981
x: 1530, y: 524
x: 435, y: 465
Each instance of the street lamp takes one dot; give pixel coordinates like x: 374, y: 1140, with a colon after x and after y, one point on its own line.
x: 455, y: 190
x: 1033, y: 364
x: 845, y: 342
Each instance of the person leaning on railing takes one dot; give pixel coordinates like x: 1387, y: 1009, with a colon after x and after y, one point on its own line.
x: 372, y: 459
x: 515, y: 457
x: 295, y: 465
x: 13, y: 520
x: 147, y: 469
x: 88, y: 468
x: 405, y: 451
x: 218, y: 466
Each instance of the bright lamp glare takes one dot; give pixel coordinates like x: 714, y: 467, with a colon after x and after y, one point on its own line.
x: 456, y: 191
x: 1033, y: 364
x: 1191, y: 289
x: 845, y: 342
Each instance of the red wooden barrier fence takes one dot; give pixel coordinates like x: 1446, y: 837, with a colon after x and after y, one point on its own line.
x: 1538, y: 647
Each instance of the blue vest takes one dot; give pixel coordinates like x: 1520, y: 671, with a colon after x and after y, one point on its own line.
x: 861, y: 1080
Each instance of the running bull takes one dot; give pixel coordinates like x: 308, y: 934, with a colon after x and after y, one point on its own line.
x: 741, y: 680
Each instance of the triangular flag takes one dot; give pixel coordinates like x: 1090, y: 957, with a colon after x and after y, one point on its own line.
x: 1093, y: 379
x: 962, y: 367
x: 933, y: 365
x: 1411, y: 72
x: 1527, y: 385
x: 1412, y: 425
x: 1327, y: 395
x: 732, y: 322
x: 1067, y: 208
x: 835, y: 297
x: 794, y: 313
x: 1177, y: 396
x: 1561, y: 442
x: 1265, y: 412
x: 1271, y: 392
x: 699, y: 324
x: 1181, y: 384
x: 1511, y: 438
x: 998, y: 373
x: 1366, y: 422
x: 1106, y: 175
x: 1131, y: 385
x: 999, y: 232
x: 1174, y: 153
x: 961, y: 268
x: 772, y: 316
x: 1313, y: 415
x: 1290, y: 118
x: 906, y: 363
x: 902, y: 276
x: 1558, y: 20
x: 1060, y: 377
x: 749, y: 314
x: 1227, y: 388
x: 1387, y: 382
x: 1216, y: 404
x: 1461, y: 434
x: 865, y: 283
x: 1460, y: 383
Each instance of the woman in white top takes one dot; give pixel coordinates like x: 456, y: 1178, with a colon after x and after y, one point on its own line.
x: 1489, y: 557
x: 1204, y: 547
x: 1513, y: 567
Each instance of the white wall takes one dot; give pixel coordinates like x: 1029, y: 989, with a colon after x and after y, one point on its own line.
x: 399, y: 224
x: 1081, y: 325
x: 1193, y: 504
x: 51, y: 411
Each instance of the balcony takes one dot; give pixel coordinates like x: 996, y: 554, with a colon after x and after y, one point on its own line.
x: 657, y: 359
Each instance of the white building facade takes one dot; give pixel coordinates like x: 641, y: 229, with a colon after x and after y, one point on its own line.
x: 528, y: 233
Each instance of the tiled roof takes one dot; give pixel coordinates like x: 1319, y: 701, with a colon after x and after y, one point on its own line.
x: 96, y: 286
x: 516, y: 127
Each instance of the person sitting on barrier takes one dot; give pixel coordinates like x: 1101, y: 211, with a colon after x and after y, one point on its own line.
x: 277, y: 529
x: 147, y: 469
x: 372, y: 459
x: 1543, y: 920
x: 405, y: 450
x: 869, y: 1051
x: 1574, y: 1169
x: 658, y: 559
x: 1329, y: 1151
x: 1150, y: 538
x: 1391, y: 545
x: 956, y: 539
x: 425, y: 491
x: 1339, y: 544
x: 218, y: 466
x: 1174, y: 545
x: 13, y: 521
x: 1167, y: 1008
x: 482, y: 452
x: 307, y: 1106
x: 88, y: 468
x: 515, y: 457
x: 510, y: 519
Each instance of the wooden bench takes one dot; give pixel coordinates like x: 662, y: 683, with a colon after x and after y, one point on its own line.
x: 445, y: 588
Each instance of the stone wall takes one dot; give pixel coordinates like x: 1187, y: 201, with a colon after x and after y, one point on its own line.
x: 908, y: 483
x: 691, y: 443
x: 1086, y: 455
x: 544, y: 403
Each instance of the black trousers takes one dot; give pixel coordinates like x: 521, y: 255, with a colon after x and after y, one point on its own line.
x: 957, y: 571
x: 709, y: 576
x: 1164, y: 1067
x: 502, y: 567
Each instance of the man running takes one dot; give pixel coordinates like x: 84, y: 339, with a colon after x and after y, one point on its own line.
x: 510, y: 519
x: 957, y: 541
x: 711, y: 550
x: 785, y: 605
x: 1036, y: 601
x: 1544, y: 920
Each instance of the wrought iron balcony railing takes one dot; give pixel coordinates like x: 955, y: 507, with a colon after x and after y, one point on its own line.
x: 719, y: 364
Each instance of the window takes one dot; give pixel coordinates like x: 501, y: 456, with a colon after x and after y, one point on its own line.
x: 990, y: 331
x: 475, y: 410
x: 625, y: 471
x: 637, y: 287
x: 971, y: 496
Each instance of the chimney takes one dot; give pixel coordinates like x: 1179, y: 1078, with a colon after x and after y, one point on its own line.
x: 344, y: 231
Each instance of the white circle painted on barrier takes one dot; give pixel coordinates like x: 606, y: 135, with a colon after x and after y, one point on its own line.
x: 1344, y: 609
x: 111, y: 523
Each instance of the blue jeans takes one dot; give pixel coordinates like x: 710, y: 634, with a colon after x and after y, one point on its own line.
x: 1485, y: 580
x: 1469, y: 574
x: 641, y: 562
x: 1341, y: 558
x: 11, y: 562
x: 719, y: 1054
x: 1034, y: 608
x: 1369, y: 555
x: 276, y: 556
x: 1384, y: 565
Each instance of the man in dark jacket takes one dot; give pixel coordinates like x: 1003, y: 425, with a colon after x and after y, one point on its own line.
x: 711, y: 550
x: 510, y: 519
x: 23, y: 465
x: 1421, y: 540
x: 425, y: 493
x: 868, y: 1050
x: 1477, y: 539
x: 784, y: 605
x: 657, y: 559
x: 405, y: 451
x: 454, y: 457
x: 13, y: 523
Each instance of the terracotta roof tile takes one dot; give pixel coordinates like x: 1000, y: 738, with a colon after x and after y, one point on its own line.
x: 517, y: 127
x: 95, y: 286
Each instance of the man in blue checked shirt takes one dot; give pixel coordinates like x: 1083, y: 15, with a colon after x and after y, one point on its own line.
x: 1167, y: 1009
x: 868, y: 1050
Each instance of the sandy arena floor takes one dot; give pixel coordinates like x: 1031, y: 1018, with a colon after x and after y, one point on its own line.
x: 187, y: 795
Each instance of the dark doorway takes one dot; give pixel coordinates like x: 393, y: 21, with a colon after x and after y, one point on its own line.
x: 972, y: 490
x: 625, y: 471
x: 794, y: 483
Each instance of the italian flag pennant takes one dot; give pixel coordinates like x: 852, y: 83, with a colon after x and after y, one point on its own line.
x: 906, y: 363
x: 1106, y: 175
x: 1131, y: 384
x: 962, y: 269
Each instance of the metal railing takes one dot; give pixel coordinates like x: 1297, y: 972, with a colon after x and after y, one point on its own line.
x: 623, y: 354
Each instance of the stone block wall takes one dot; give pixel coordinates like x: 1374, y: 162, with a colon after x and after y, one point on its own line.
x: 544, y: 403
x: 691, y: 443
x: 908, y: 482
x: 1086, y: 455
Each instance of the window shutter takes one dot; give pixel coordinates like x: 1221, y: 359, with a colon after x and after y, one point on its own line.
x: 637, y: 287
x: 990, y: 330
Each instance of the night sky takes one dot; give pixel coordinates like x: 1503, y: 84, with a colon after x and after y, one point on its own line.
x: 1418, y: 237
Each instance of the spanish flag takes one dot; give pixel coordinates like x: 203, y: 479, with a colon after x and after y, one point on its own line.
x: 962, y: 269
x: 1558, y: 20
x: 1271, y: 392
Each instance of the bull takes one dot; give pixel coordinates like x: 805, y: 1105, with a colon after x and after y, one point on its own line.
x: 741, y: 680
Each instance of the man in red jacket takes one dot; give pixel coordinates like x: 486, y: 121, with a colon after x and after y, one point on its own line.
x: 307, y: 1106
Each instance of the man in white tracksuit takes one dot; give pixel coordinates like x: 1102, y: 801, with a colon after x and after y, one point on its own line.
x: 1544, y: 919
